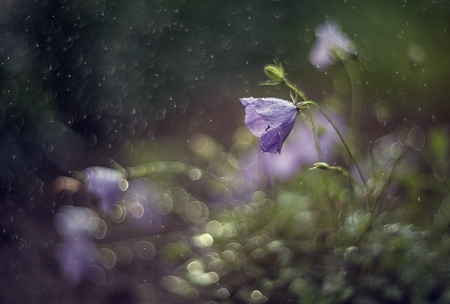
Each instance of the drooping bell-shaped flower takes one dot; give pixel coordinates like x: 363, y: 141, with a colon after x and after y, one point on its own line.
x: 106, y: 184
x: 331, y: 45
x: 271, y: 119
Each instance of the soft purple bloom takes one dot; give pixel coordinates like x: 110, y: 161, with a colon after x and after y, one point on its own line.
x: 271, y: 119
x: 77, y: 251
x: 70, y: 220
x: 74, y: 257
x: 104, y: 183
x: 331, y: 45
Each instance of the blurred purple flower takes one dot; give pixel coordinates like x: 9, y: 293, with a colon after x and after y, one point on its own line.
x: 331, y: 45
x: 77, y: 250
x: 70, y: 221
x: 104, y: 183
x: 74, y: 257
x: 271, y: 119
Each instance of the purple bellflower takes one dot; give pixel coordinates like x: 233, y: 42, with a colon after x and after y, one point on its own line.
x: 271, y: 119
x: 331, y: 45
x: 104, y: 183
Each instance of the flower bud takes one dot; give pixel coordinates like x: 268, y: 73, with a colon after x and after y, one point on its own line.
x: 322, y: 166
x: 274, y: 72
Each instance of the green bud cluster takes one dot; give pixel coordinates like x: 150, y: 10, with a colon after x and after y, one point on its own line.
x: 275, y: 73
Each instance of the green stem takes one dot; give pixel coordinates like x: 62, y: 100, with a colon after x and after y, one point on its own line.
x: 345, y: 173
x: 320, y: 158
x: 354, y: 76
x: 377, y: 199
x: 316, y: 142
x: 341, y: 138
x: 319, y: 151
x: 303, y: 96
x: 294, y: 88
x: 171, y: 167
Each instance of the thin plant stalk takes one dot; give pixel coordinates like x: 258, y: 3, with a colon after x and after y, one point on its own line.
x: 318, y: 149
x: 306, y: 101
x: 294, y: 88
x: 354, y: 76
x: 377, y: 199
x: 169, y: 167
x: 341, y: 138
x: 324, y: 179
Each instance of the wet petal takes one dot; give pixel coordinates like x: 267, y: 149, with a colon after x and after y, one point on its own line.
x: 270, y: 141
x: 271, y: 119
x: 285, y: 129
x: 254, y: 122
x: 275, y: 111
x: 247, y: 100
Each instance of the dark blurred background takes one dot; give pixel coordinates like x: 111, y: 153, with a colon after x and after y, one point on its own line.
x: 86, y: 81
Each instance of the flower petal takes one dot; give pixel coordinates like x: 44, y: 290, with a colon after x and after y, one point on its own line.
x: 285, y: 129
x: 270, y: 141
x: 275, y: 111
x: 319, y: 57
x: 247, y: 100
x: 331, y: 34
x: 254, y: 122
x: 271, y: 119
x: 331, y: 42
x: 273, y: 139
